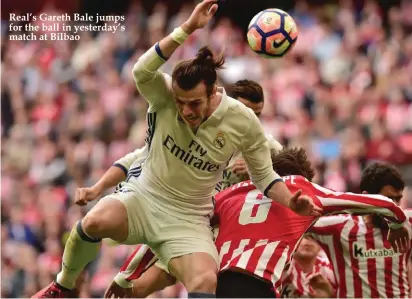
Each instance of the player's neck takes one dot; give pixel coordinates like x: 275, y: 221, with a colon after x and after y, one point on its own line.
x: 305, y: 264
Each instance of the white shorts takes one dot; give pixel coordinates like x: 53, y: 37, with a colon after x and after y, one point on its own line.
x: 167, y: 236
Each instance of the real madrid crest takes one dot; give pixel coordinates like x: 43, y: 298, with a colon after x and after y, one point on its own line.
x: 220, y: 140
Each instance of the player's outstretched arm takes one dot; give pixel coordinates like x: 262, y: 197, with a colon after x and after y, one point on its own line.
x: 256, y: 152
x: 346, y: 202
x: 113, y: 176
x: 153, y: 84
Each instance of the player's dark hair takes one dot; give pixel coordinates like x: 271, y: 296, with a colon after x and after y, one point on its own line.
x: 379, y: 174
x: 249, y: 90
x: 292, y: 161
x: 189, y: 73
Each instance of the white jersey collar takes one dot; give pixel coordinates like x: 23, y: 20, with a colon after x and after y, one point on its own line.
x: 222, y: 108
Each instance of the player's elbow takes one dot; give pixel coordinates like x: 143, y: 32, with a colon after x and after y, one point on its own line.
x: 138, y: 72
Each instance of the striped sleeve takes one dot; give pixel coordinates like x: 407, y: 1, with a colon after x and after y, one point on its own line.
x: 345, y: 202
x: 154, y: 85
x: 136, y: 264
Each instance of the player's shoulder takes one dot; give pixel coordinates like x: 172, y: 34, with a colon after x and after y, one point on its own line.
x: 239, y: 109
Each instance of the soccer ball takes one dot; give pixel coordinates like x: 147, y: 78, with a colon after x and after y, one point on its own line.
x: 272, y: 33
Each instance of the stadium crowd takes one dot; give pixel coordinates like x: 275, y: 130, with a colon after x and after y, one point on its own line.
x: 69, y: 109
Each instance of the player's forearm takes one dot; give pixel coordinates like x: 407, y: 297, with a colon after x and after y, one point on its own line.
x: 157, y: 55
x: 279, y: 193
x: 113, y: 176
x: 170, y: 43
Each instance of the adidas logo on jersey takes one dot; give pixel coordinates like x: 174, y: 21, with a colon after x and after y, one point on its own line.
x: 360, y: 252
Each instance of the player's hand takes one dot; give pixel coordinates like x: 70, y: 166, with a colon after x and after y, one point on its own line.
x: 303, y: 205
x: 116, y: 291
x: 320, y: 287
x: 84, y: 195
x: 239, y: 168
x: 399, y: 239
x: 201, y: 15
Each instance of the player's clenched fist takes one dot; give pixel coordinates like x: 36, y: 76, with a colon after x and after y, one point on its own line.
x: 320, y: 287
x: 84, y: 195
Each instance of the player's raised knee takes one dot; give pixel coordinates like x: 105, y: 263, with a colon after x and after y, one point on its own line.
x: 93, y: 225
x: 108, y: 219
x: 204, y: 282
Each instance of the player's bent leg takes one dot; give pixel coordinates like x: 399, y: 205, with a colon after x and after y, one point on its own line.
x: 197, y: 271
x: 107, y: 219
x: 153, y: 280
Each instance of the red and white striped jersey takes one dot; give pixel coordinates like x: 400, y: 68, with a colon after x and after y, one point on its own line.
x: 259, y: 235
x: 365, y: 264
x: 295, y: 282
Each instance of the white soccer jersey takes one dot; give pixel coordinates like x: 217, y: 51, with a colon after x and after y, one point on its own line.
x: 182, y: 167
x: 229, y: 178
x: 132, y: 163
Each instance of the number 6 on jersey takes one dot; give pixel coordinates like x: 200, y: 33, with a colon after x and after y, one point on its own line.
x: 255, y: 209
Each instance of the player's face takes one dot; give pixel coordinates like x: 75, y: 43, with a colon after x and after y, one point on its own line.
x: 193, y: 105
x: 256, y: 107
x: 308, y: 249
x: 392, y: 193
